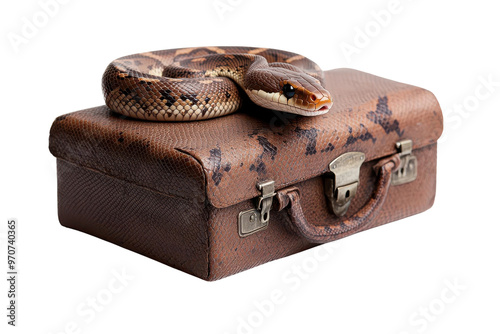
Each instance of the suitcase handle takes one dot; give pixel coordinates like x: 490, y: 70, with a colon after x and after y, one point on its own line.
x: 290, y: 197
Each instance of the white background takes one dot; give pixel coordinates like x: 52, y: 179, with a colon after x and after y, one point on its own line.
x: 381, y: 281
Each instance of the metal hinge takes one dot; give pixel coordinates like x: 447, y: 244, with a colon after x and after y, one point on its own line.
x: 342, y: 183
x: 407, y: 171
x: 257, y: 219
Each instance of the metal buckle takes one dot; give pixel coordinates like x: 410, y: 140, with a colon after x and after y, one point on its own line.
x: 341, y: 185
x: 257, y: 219
x: 407, y: 172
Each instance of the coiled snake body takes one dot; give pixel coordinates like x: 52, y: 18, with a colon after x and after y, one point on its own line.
x: 205, y: 82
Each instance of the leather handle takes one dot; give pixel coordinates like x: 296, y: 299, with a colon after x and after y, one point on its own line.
x: 290, y: 197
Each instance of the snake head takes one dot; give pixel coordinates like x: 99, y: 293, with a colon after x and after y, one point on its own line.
x: 287, y: 88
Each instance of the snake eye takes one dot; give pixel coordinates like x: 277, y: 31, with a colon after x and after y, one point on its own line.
x: 288, y: 91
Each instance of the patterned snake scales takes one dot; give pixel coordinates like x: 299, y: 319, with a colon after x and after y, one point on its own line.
x: 200, y: 83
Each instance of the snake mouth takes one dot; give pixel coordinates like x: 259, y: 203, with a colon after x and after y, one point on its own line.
x: 277, y: 101
x: 324, y: 106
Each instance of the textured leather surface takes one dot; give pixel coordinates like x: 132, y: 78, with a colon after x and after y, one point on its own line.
x: 203, y: 240
x: 230, y: 254
x: 370, y: 115
x: 168, y: 229
x: 173, y: 191
x: 290, y: 197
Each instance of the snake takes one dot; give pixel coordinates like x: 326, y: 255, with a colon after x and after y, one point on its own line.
x: 198, y: 83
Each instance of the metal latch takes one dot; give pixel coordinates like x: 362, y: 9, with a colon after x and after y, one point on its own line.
x: 407, y: 172
x: 257, y: 219
x: 341, y: 185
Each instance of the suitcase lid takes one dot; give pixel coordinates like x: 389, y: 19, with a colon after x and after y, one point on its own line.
x: 224, y: 158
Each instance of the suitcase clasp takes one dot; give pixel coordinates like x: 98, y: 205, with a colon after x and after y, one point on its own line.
x: 257, y: 219
x: 407, y: 172
x: 342, y: 183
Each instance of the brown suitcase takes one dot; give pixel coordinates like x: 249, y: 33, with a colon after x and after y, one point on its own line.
x: 215, y: 197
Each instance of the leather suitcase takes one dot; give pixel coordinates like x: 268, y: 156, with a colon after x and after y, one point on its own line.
x: 216, y: 197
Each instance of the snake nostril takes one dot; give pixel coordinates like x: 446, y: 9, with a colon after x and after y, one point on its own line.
x: 313, y: 97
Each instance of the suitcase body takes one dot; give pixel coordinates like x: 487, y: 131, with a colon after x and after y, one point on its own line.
x: 216, y: 197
